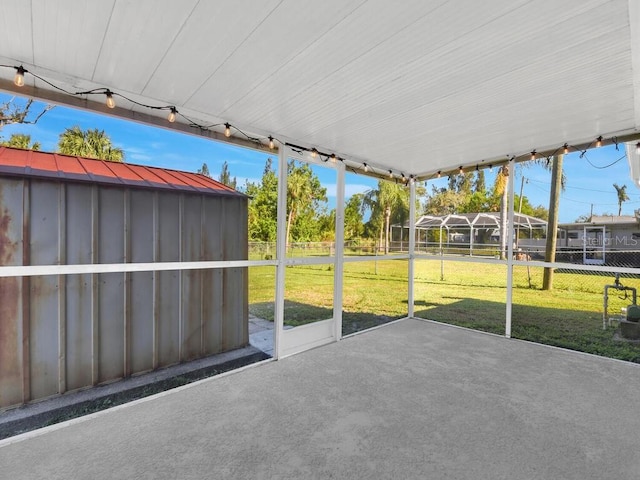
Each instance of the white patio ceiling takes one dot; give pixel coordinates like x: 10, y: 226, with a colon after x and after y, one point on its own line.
x: 416, y: 86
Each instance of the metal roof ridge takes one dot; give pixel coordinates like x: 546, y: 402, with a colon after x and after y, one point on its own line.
x: 106, y: 163
x: 87, y: 172
x: 171, y: 173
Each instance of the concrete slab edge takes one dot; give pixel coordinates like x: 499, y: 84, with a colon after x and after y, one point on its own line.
x: 230, y: 362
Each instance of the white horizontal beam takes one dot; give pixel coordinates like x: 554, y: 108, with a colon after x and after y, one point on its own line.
x: 33, y: 270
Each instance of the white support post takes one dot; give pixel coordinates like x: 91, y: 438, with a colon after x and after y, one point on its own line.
x: 412, y: 246
x: 510, y: 240
x: 281, y: 252
x: 339, y: 251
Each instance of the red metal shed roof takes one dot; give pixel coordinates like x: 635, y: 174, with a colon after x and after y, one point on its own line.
x: 29, y: 163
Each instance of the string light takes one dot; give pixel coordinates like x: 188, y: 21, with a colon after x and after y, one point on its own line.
x: 18, y: 79
x: 172, y: 115
x: 111, y: 103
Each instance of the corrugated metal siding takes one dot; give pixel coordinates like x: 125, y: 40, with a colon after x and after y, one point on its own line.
x: 141, y: 331
x: 11, y: 290
x: 61, y: 333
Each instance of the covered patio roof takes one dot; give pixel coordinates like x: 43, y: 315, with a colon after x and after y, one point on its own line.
x: 415, y: 87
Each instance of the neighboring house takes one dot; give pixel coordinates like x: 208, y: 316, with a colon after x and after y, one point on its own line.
x: 603, y: 239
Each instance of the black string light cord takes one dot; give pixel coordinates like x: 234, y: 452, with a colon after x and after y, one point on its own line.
x: 269, y: 141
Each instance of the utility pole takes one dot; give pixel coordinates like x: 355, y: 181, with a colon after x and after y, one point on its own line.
x: 552, y: 226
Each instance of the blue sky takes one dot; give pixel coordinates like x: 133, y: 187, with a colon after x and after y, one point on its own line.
x: 588, y: 182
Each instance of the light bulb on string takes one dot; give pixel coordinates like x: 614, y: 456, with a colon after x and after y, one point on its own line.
x: 227, y: 130
x: 172, y: 114
x: 566, y: 148
x: 314, y: 153
x: 638, y: 148
x: 333, y: 158
x: 404, y: 179
x: 533, y: 155
x: 599, y: 141
x: 460, y: 170
x: 439, y: 173
x: 18, y: 79
x: 111, y: 103
x: 491, y: 168
x: 271, y: 144
x: 390, y: 174
x: 365, y: 167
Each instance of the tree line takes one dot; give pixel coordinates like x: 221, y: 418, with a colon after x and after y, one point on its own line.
x: 91, y: 143
x: 368, y: 216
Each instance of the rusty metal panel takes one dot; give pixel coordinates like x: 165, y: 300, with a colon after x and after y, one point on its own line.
x: 111, y: 314
x: 212, y: 279
x: 78, y: 294
x: 235, y: 280
x: 11, y: 364
x: 168, y: 283
x: 191, y: 279
x: 68, y: 332
x: 44, y: 293
x: 141, y: 232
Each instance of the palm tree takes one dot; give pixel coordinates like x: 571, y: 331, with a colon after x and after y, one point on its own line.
x: 501, y: 188
x: 21, y: 140
x: 304, y: 193
x: 622, y: 196
x: 387, y: 198
x: 92, y: 143
x: 298, y: 190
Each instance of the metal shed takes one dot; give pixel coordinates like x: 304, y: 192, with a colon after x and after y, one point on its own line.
x: 66, y: 332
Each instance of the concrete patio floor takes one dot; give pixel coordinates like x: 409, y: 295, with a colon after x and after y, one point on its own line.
x: 412, y: 399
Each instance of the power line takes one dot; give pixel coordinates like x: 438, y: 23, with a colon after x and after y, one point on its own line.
x: 564, y: 198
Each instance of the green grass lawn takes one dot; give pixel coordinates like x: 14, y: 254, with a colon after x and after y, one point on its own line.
x: 472, y: 295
